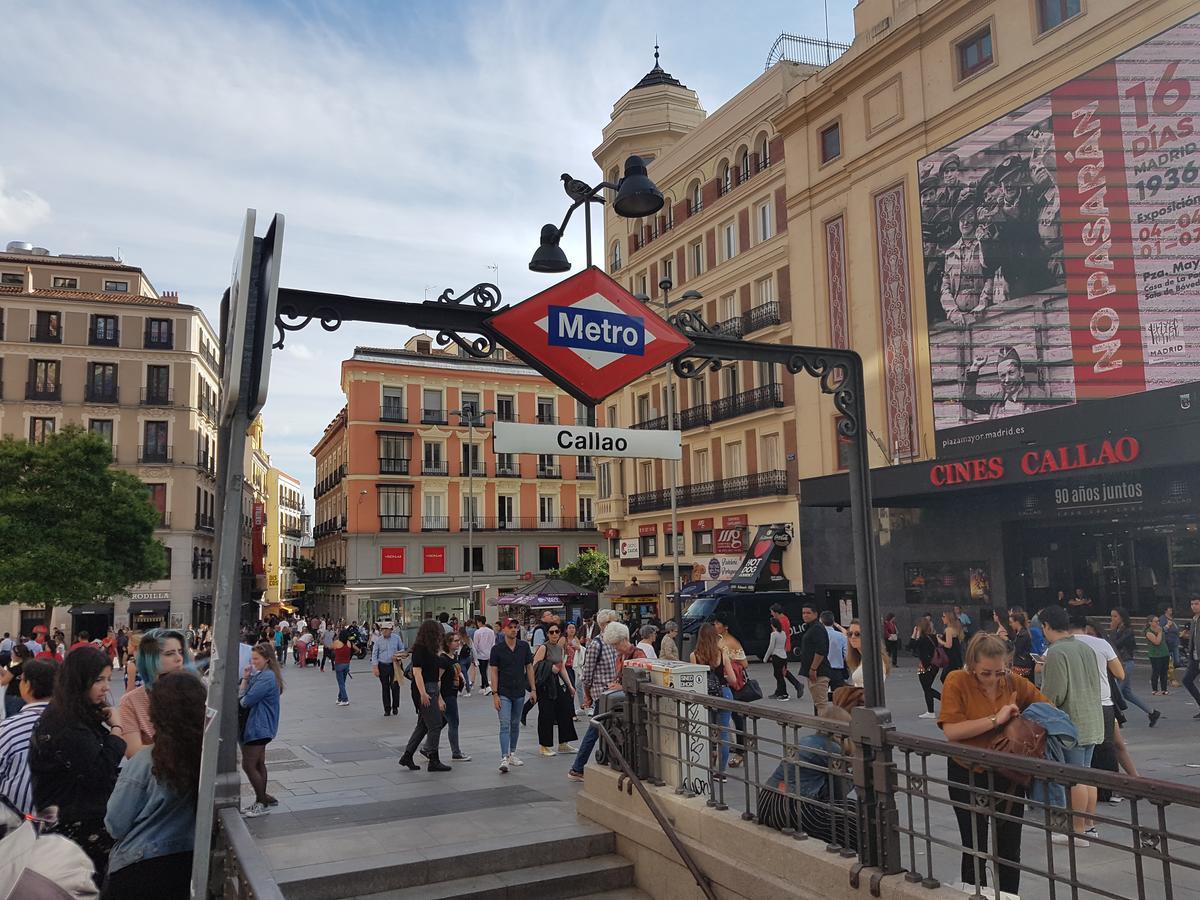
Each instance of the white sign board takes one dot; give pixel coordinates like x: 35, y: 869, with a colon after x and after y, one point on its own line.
x: 722, y: 568
x: 630, y: 549
x: 583, y: 440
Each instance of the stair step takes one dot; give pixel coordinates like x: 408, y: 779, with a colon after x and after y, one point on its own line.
x: 559, y: 879
x: 376, y: 876
x: 628, y: 893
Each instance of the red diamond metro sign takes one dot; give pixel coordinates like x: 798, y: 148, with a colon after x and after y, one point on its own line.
x: 589, y: 335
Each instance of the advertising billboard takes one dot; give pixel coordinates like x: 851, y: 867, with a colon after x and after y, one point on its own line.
x: 1060, y: 247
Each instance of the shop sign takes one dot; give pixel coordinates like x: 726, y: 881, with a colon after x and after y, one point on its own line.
x: 722, y: 568
x: 433, y: 560
x: 630, y: 549
x: 138, y: 596
x: 647, y: 530
x: 734, y: 521
x: 1034, y: 463
x: 391, y: 560
x: 730, y: 540
x: 702, y: 524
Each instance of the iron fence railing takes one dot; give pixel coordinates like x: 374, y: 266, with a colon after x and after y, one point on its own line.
x: 903, y: 804
x: 741, y: 487
x: 246, y: 873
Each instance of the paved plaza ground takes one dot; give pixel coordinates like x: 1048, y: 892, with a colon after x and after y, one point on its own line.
x: 345, y: 803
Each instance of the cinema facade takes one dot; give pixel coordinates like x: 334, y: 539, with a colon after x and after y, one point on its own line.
x: 1003, y: 220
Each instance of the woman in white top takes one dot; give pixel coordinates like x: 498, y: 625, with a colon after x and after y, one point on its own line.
x: 854, y: 654
x: 646, y: 635
x: 777, y: 655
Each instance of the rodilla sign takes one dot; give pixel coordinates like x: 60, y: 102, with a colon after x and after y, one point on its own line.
x: 589, y: 334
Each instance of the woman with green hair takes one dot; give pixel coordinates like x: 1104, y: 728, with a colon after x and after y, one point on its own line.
x: 162, y: 650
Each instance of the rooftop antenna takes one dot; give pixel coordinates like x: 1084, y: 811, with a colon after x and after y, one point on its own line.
x: 827, y: 59
x: 495, y: 267
x: 656, y: 65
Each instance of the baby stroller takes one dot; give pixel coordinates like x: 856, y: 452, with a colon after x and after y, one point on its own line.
x: 314, y: 651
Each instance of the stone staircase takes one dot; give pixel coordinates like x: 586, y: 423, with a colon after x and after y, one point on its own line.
x: 577, y: 859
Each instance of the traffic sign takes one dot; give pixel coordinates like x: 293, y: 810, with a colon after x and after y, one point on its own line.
x: 589, y: 334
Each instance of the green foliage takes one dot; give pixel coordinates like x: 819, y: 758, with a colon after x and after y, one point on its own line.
x: 304, y: 568
x: 588, y: 570
x: 72, y: 529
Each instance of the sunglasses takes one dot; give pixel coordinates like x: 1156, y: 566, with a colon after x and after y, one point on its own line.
x: 553, y: 631
x: 854, y: 633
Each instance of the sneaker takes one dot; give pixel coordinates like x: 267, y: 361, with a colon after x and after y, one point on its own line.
x: 566, y: 748
x: 1092, y: 834
x: 514, y: 760
x: 254, y: 810
x: 460, y: 757
x: 927, y: 715
x: 1154, y: 717
x: 546, y: 751
x: 784, y: 697
x: 467, y: 693
x: 572, y: 775
x: 1114, y: 800
x: 503, y: 767
x: 343, y: 703
x: 1060, y: 838
x: 271, y: 801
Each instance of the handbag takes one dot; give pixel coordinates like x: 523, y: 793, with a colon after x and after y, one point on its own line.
x: 940, y: 658
x: 750, y: 691
x: 1020, y: 737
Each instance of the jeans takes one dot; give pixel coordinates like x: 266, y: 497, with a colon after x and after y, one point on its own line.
x: 1079, y: 755
x: 429, y: 722
x: 510, y: 723
x: 723, y: 719
x: 1158, y: 672
x: 588, y: 744
x: 1189, y: 678
x: 452, y: 722
x: 342, y: 670
x: 1127, y: 688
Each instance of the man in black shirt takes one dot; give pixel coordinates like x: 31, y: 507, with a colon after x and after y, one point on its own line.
x: 814, y: 652
x: 512, y: 672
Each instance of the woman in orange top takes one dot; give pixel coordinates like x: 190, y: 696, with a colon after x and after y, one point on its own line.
x: 977, y: 702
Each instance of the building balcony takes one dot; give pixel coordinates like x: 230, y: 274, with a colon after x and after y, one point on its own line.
x: 435, y: 468
x: 101, y: 393
x: 208, y: 409
x: 205, y: 523
x: 164, y: 520
x: 394, y: 523
x: 35, y: 391
x: 529, y: 523
x: 104, y: 338
x: 327, y: 575
x: 157, y: 397
x: 695, y: 416
x: 155, y: 454
x: 211, y: 358
x: 658, y: 423
x: 548, y: 419
x: 754, y: 400
x: 585, y: 474
x: 330, y: 481
x: 512, y: 471
x: 158, y: 341
x: 40, y: 334
x: 435, y: 523
x: 433, y: 417
x: 762, y: 316
x: 549, y: 471
x: 392, y: 410
x: 476, y: 471
x: 390, y: 466
x: 611, y: 509
x: 741, y: 487
x: 735, y: 327
x: 329, y: 527
x: 292, y: 532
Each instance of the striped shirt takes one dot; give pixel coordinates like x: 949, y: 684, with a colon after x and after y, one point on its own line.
x: 15, y: 733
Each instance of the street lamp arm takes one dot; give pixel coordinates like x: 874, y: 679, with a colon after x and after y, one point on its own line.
x: 590, y: 197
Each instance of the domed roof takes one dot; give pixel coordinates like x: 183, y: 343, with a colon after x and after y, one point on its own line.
x: 657, y: 76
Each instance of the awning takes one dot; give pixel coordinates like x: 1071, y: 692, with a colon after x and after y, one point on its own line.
x: 101, y: 609
x: 405, y: 589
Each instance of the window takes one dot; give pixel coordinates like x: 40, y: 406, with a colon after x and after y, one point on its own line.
x: 615, y: 264
x: 48, y: 329
x: 614, y: 548
x: 729, y: 307
x: 769, y: 457
x: 643, y: 407
x: 831, y: 142
x: 44, y: 379
x: 158, y: 499
x: 585, y: 511
x: 764, y: 152
x: 432, y: 411
x: 154, y: 444
x: 393, y: 405
x: 585, y: 414
x: 395, y: 507
x: 433, y: 511
x: 744, y: 165
x: 700, y: 469
x: 545, y: 411
x: 649, y: 545
x: 472, y: 555
x: 696, y: 256
x: 506, y: 408
x: 546, y: 465
x: 726, y: 178
x: 102, y: 427
x: 12, y: 278
x: 158, y: 384
x: 395, y: 450
x: 433, y: 463
x: 642, y: 285
x: 603, y: 481
x: 506, y: 559
x: 103, y: 331
x: 728, y: 241
x: 1052, y: 13
x: 39, y: 429
x: 697, y: 197
x: 505, y: 510
x: 610, y: 418
x: 471, y: 462
x: 975, y: 53
x: 729, y: 380
x: 670, y: 216
x: 585, y: 548
x: 547, y: 558
x: 547, y: 510
x: 702, y: 542
x: 506, y: 464
x: 470, y: 407
x: 158, y: 332
x: 735, y: 463
x: 665, y: 268
x: 64, y: 282
x: 764, y: 291
x: 768, y: 373
x: 102, y: 383
x: 762, y: 218
x: 117, y: 287
x: 699, y: 392
x: 646, y: 473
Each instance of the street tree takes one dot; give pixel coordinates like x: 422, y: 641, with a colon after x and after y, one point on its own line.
x: 73, y: 530
x: 588, y: 570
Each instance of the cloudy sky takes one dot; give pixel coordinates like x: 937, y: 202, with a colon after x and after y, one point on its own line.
x: 412, y: 146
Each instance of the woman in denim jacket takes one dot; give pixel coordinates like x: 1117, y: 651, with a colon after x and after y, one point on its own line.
x: 152, y: 810
x: 258, y: 701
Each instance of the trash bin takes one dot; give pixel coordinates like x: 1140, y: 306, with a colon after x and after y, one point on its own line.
x: 681, y: 741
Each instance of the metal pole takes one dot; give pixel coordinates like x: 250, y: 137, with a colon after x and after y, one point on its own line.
x: 471, y: 510
x: 864, y: 542
x: 674, y: 486
x: 587, y: 227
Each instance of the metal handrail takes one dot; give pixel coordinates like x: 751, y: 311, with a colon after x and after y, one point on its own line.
x: 245, y: 865
x: 663, y: 822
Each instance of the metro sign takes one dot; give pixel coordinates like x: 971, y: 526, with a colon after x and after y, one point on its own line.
x: 589, y: 335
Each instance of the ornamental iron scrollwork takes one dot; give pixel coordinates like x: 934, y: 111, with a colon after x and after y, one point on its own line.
x: 288, y: 319
x: 480, y: 347
x: 483, y: 295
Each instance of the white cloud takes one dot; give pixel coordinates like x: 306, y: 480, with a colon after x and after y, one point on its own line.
x: 20, y: 211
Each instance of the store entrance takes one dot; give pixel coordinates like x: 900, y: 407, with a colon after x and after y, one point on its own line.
x: 1140, y: 566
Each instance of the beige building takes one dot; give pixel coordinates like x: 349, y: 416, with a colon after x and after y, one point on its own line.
x: 89, y: 341
x: 284, y: 531
x: 723, y: 232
